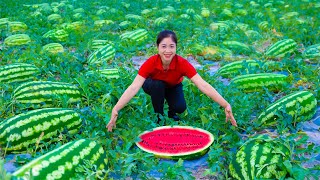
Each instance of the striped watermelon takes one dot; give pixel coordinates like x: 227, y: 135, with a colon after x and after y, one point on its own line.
x: 168, y: 9
x: 17, y: 40
x: 197, y: 17
x: 246, y: 67
x: 281, y: 48
x: 23, y: 130
x: 264, y: 25
x: 53, y: 48
x: 234, y: 68
x: 260, y: 158
x: 185, y: 16
x: 124, y: 24
x: 97, y: 44
x: 312, y: 52
x: 106, y: 73
x: 101, y: 55
x: 54, y: 18
x: 100, y: 23
x: 57, y: 34
x: 136, y: 35
x: 160, y: 21
x: 45, y: 92
x: 101, y: 12
x: 4, y: 23
x: 74, y: 26
x: 61, y: 163
x: 237, y: 47
x: 256, y: 82
x: 133, y: 17
x: 18, y: 72
x: 219, y: 26
x: 304, y: 100
x: 17, y: 26
x: 146, y: 12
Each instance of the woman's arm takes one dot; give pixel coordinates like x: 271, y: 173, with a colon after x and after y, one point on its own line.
x: 128, y: 94
x: 207, y: 89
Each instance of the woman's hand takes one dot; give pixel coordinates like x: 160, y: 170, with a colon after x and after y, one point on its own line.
x: 229, y: 115
x: 113, y: 119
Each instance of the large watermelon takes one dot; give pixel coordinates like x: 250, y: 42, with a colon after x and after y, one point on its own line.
x: 281, y: 48
x: 62, y: 162
x: 25, y: 129
x: 301, y: 105
x: 256, y: 82
x: 176, y: 142
x: 260, y: 158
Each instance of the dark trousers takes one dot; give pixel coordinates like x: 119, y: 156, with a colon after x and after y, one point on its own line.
x: 159, y: 91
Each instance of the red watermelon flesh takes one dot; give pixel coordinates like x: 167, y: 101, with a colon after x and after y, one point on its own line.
x: 176, y: 142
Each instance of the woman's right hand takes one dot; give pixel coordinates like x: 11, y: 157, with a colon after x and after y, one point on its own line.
x: 113, y: 119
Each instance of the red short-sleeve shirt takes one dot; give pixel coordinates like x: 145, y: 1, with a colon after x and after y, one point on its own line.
x: 178, y: 68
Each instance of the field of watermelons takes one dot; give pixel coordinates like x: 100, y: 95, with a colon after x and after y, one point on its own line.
x: 64, y: 65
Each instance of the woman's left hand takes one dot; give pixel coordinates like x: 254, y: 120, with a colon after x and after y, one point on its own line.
x: 229, y: 115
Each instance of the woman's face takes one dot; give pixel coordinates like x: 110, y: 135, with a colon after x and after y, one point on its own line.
x: 167, y: 49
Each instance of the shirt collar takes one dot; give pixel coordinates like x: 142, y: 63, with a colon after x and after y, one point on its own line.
x: 172, y: 64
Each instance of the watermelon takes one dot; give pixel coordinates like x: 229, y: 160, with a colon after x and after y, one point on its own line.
x: 62, y: 162
x: 234, y: 68
x: 223, y: 26
x: 17, y: 40
x: 185, y: 16
x: 106, y: 73
x: 53, y: 48
x: 256, y: 82
x: 260, y: 157
x: 160, y: 21
x: 306, y: 101
x: 133, y: 17
x: 281, y: 48
x: 4, y: 23
x: 97, y: 44
x: 168, y: 9
x: 136, y: 35
x: 238, y: 47
x: 54, y: 18
x: 35, y: 92
x: 57, y: 34
x: 312, y: 52
x: 17, y: 26
x: 17, y: 72
x: 176, y: 142
x: 23, y: 130
x: 103, y: 54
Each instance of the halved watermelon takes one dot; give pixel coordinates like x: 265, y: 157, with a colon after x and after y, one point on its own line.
x: 174, y: 142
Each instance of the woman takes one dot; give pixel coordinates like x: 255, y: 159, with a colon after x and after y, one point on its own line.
x: 161, y: 76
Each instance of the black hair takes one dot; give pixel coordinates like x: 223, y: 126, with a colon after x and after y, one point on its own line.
x: 166, y: 33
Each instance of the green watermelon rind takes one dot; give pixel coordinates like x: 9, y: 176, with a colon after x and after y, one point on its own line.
x: 260, y: 157
x: 185, y: 156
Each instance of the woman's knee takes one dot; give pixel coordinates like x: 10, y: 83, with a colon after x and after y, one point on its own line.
x: 152, y: 86
x: 180, y: 108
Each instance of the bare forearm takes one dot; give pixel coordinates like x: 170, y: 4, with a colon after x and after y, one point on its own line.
x: 126, y: 97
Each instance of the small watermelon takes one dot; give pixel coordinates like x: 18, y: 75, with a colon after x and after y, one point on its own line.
x: 175, y: 142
